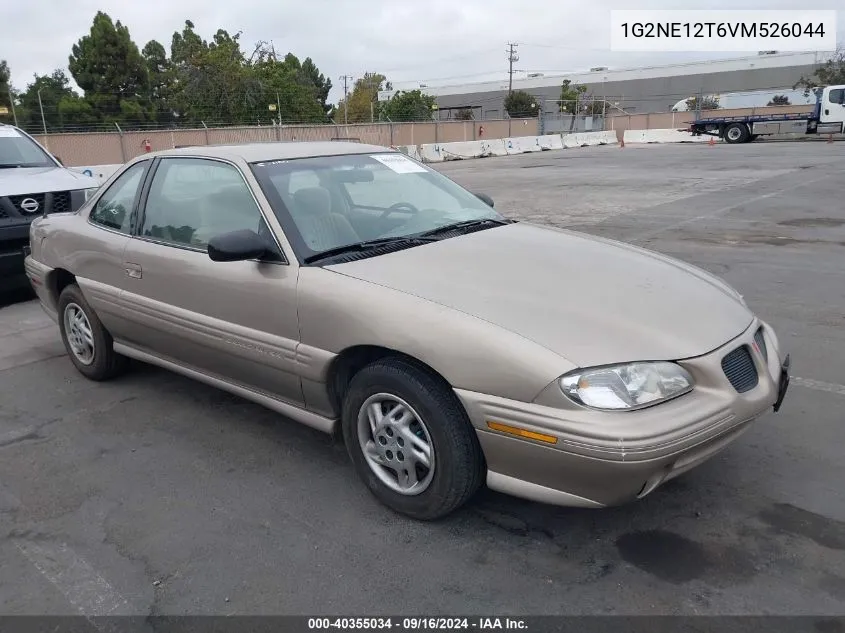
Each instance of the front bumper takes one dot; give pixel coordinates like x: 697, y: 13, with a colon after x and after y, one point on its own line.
x: 593, y: 459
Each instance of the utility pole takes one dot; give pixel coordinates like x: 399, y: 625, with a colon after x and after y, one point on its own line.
x: 512, y: 57
x: 345, y: 78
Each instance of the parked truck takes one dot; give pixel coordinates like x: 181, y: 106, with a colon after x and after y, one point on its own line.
x: 828, y: 117
x: 33, y: 182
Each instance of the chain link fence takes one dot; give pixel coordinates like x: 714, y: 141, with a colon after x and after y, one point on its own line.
x: 109, y: 148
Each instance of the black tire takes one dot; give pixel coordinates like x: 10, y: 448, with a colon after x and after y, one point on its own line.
x: 736, y: 133
x: 458, y: 461
x: 106, y: 364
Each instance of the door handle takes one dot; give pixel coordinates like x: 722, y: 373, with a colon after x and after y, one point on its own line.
x: 826, y: 112
x: 133, y: 270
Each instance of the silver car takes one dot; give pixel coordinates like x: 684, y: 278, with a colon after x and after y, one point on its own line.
x: 353, y: 289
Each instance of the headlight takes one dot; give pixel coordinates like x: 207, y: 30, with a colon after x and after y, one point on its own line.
x: 629, y: 386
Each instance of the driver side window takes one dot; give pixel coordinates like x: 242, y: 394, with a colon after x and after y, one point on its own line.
x: 116, y: 207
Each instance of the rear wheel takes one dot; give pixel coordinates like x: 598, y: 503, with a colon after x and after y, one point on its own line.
x: 410, y: 439
x: 736, y: 133
x: 88, y: 343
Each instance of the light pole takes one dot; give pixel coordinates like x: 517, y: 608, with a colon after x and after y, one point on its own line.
x: 12, y: 103
x: 603, y: 99
x: 41, y: 107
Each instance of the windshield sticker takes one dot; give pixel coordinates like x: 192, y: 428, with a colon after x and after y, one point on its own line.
x: 399, y: 163
x: 8, y: 131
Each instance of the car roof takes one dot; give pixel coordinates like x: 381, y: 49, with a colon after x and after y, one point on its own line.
x: 257, y: 152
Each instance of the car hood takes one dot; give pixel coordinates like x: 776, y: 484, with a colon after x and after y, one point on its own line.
x: 592, y: 301
x: 15, y: 181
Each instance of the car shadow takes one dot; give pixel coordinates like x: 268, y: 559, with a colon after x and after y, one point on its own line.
x: 18, y: 295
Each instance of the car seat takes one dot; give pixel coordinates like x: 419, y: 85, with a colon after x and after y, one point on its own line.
x: 321, y: 229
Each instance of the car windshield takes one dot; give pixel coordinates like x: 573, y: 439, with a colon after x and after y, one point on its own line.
x: 17, y: 150
x: 333, y: 201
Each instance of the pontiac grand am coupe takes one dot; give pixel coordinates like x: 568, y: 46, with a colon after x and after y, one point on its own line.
x: 354, y: 289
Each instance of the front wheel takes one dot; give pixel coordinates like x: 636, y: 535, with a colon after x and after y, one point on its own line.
x: 410, y: 439
x: 87, y: 342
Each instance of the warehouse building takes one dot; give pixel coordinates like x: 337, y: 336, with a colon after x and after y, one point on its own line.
x: 635, y: 90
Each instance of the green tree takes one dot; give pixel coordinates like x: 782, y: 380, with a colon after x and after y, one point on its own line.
x: 362, y: 102
x: 409, y: 106
x: 571, y: 96
x: 707, y: 103
x: 5, y: 89
x: 464, y: 114
x: 62, y: 107
x: 108, y: 66
x: 521, y: 104
x: 213, y: 82
x: 593, y: 107
x: 779, y: 100
x: 322, y: 84
x: 161, y: 75
x: 831, y: 73
x: 290, y: 85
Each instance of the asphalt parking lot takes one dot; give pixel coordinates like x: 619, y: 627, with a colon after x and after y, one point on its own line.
x: 154, y: 494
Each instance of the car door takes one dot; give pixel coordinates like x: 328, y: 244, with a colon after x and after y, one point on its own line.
x: 232, y: 320
x: 95, y: 251
x: 833, y: 105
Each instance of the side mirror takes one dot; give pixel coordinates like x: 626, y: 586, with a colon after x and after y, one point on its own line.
x: 237, y: 246
x: 485, y: 199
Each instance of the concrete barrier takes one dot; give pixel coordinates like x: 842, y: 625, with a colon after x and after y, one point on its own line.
x: 100, y: 172
x: 550, y: 141
x: 662, y: 136
x: 497, y: 147
x: 461, y: 150
x: 430, y: 153
x: 522, y: 145
x: 410, y: 150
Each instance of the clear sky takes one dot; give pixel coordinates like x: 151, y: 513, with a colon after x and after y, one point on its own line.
x: 412, y: 42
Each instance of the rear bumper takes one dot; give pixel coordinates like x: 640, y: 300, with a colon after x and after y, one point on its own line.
x: 595, y: 459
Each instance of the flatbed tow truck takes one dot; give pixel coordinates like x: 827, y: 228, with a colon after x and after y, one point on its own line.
x: 828, y: 117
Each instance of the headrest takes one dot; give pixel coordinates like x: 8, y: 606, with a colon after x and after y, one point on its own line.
x: 313, y: 201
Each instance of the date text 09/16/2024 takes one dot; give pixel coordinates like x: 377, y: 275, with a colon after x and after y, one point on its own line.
x: 417, y: 623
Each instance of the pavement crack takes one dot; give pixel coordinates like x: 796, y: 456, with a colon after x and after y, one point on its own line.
x: 17, y: 438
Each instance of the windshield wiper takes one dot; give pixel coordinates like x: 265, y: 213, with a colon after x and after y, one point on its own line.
x: 9, y: 165
x: 368, y: 245
x: 446, y: 228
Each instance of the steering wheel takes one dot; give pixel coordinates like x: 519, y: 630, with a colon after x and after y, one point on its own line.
x: 399, y: 206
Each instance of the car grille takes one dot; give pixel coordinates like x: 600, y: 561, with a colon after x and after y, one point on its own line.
x: 31, y: 205
x: 761, y: 343
x: 739, y: 369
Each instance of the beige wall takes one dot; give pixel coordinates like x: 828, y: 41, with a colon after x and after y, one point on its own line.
x: 109, y: 148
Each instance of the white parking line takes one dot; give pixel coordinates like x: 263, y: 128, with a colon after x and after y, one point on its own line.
x: 819, y: 385
x: 77, y: 580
